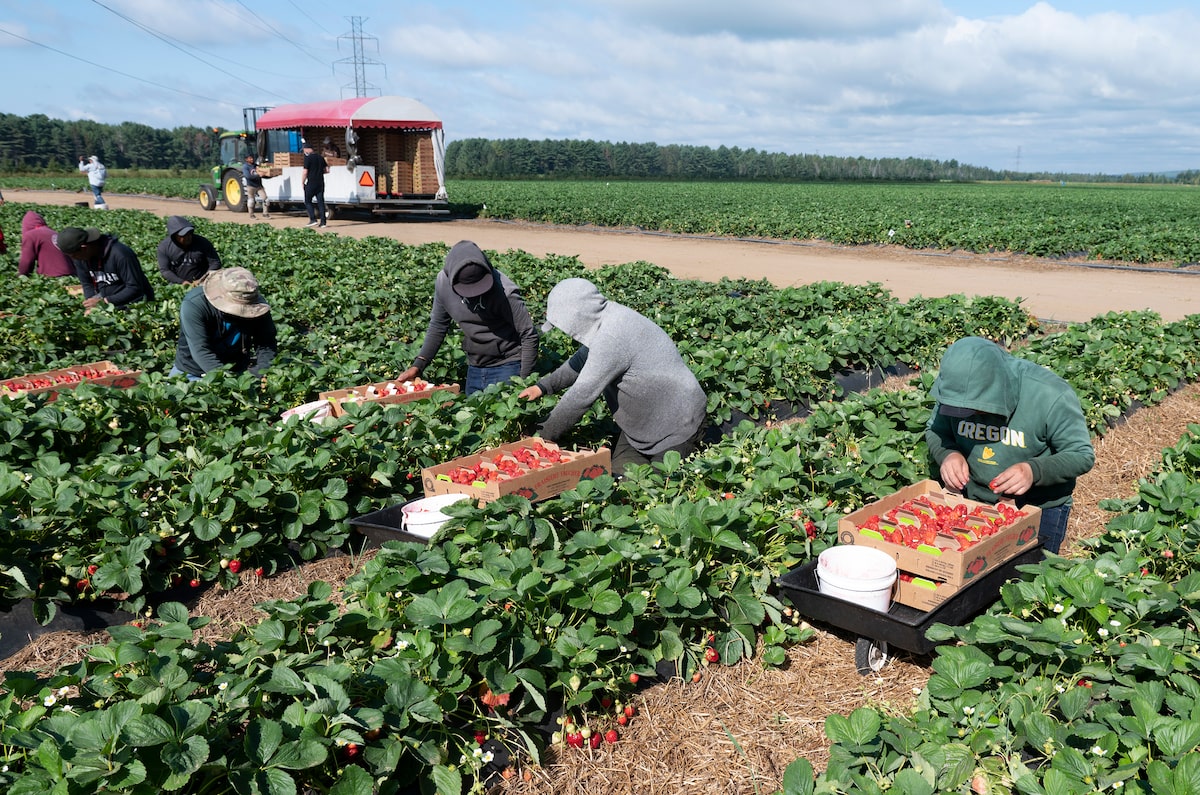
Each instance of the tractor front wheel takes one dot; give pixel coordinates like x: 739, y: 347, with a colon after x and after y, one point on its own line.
x: 208, y: 197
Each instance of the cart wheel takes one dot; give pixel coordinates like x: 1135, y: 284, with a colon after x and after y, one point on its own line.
x: 870, y: 656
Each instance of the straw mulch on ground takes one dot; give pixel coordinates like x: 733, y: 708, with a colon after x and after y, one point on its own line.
x: 737, y: 729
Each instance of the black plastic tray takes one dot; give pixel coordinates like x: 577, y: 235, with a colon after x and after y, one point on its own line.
x: 902, y: 626
x: 384, y: 525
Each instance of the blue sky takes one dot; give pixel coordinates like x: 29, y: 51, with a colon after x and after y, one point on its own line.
x: 1065, y: 85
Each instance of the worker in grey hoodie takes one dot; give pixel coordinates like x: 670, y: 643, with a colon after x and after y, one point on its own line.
x: 499, y: 337
x: 655, y: 399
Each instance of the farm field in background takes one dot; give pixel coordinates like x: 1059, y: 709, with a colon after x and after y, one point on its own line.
x: 1144, y: 224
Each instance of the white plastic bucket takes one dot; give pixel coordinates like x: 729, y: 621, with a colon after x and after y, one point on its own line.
x: 424, y: 517
x: 858, y: 574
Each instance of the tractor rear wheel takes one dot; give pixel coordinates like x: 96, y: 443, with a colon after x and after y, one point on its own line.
x: 231, y: 186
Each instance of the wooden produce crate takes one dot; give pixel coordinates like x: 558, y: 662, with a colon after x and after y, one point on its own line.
x: 287, y: 159
x: 943, y: 561
x: 500, y: 470
x: 385, y: 392
x: 51, y: 382
x: 401, y: 175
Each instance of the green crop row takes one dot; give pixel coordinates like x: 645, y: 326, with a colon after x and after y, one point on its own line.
x: 1121, y: 223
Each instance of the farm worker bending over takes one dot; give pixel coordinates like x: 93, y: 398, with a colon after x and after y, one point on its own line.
x: 655, y: 399
x: 224, y: 321
x: 499, y: 338
x: 97, y: 175
x: 1005, y: 427
x: 107, y: 268
x: 185, y: 257
x: 38, y: 249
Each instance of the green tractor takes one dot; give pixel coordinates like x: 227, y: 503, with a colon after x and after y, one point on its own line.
x: 226, y: 182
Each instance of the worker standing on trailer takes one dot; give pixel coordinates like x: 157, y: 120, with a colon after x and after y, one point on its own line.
x: 1008, y: 428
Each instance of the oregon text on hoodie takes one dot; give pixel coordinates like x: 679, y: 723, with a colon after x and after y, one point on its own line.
x: 1025, y: 414
x: 655, y: 399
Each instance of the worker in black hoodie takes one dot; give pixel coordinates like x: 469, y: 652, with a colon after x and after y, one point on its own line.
x: 499, y: 337
x: 108, y: 270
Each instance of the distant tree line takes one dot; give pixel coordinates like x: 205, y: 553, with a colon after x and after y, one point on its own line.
x: 38, y: 143
x: 520, y: 158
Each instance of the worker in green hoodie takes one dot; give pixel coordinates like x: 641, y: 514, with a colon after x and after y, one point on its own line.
x: 1008, y: 428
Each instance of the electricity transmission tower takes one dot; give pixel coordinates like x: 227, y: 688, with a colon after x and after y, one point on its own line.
x: 361, y: 87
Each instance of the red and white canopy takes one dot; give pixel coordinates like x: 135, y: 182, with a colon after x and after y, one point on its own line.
x: 400, y: 113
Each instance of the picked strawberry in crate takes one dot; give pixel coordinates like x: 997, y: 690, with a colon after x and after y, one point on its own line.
x: 51, y: 382
x: 940, y: 535
x: 394, y: 391
x: 533, y: 468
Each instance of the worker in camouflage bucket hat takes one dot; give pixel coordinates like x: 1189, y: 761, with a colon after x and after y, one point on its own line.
x: 225, y: 322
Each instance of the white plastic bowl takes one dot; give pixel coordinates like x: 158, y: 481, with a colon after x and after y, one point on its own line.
x: 424, y: 517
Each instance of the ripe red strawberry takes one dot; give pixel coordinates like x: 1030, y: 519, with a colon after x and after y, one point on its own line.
x: 630, y: 710
x: 92, y: 569
x: 82, y: 585
x: 622, y: 720
x: 633, y: 679
x: 194, y: 583
x: 575, y: 740
x: 611, y: 736
x: 711, y: 654
x: 606, y: 702
x: 258, y: 572
x: 480, y: 737
x: 594, y: 741
x: 351, y: 750
x: 235, y: 565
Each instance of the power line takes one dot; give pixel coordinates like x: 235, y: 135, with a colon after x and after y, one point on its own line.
x: 117, y: 71
x: 278, y: 33
x: 308, y: 16
x: 175, y: 44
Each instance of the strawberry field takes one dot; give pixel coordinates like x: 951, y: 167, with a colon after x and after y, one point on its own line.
x: 436, y: 666
x: 1124, y: 223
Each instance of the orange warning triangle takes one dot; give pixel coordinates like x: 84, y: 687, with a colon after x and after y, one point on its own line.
x: 365, y: 180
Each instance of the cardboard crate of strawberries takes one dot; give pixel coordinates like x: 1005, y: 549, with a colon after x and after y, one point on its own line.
x: 385, y: 392
x: 940, y: 536
x: 51, y: 382
x: 532, y: 467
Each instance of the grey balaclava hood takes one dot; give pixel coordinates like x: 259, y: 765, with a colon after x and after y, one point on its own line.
x: 976, y: 373
x: 575, y: 306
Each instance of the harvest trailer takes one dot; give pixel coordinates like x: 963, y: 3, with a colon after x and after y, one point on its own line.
x: 392, y: 157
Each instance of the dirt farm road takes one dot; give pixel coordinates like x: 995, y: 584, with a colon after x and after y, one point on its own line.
x: 1051, y: 291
